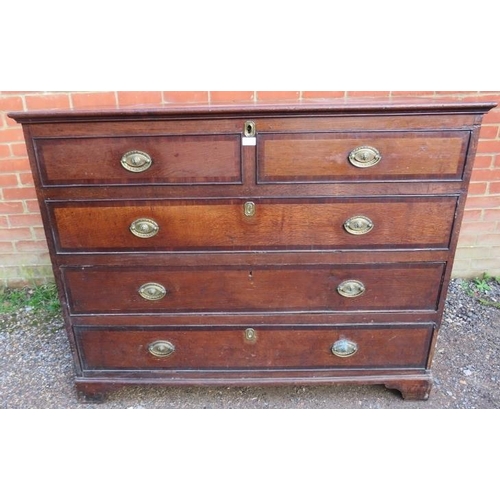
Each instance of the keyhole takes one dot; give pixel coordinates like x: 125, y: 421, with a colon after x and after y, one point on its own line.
x: 250, y: 275
x: 249, y: 129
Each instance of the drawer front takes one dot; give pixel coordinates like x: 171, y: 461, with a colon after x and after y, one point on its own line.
x: 262, y: 347
x: 297, y: 288
x: 316, y: 224
x: 197, y: 159
x: 325, y: 156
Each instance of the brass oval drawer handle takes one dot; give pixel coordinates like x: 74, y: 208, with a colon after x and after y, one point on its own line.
x: 351, y: 288
x: 161, y: 348
x: 152, y: 291
x: 344, y: 348
x: 136, y: 161
x: 364, y: 156
x: 359, y: 224
x: 144, y: 228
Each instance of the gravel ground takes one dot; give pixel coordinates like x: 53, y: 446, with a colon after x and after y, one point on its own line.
x: 36, y: 369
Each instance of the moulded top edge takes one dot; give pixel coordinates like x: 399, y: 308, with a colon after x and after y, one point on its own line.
x: 321, y: 106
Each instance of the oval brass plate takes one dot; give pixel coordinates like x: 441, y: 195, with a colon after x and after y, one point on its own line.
x: 161, y: 348
x: 364, y: 156
x: 136, y: 161
x: 344, y: 348
x: 144, y: 228
x: 152, y: 291
x: 359, y: 224
x: 351, y: 288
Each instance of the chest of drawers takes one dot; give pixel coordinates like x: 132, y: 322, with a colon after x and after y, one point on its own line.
x: 306, y: 243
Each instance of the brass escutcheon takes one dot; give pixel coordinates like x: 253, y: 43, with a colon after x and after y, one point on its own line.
x: 359, y: 224
x: 344, y: 348
x: 364, y: 156
x: 250, y: 334
x: 136, y: 161
x: 152, y: 291
x: 249, y: 208
x: 161, y: 348
x: 144, y: 228
x: 351, y: 288
x: 249, y: 129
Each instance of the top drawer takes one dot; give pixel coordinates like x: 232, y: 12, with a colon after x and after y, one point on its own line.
x: 361, y: 156
x: 161, y: 159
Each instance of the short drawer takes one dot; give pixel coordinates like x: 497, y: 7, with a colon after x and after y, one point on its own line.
x: 238, y: 225
x: 260, y: 347
x: 192, y: 159
x: 361, y: 156
x: 272, y: 288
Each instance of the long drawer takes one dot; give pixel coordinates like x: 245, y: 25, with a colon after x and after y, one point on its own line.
x: 272, y: 224
x: 278, y: 288
x: 190, y: 159
x: 386, y: 346
x: 361, y: 156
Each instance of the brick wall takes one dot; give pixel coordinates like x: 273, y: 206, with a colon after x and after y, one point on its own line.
x: 23, y: 251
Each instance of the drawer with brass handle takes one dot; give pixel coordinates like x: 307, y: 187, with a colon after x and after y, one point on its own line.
x: 361, y: 156
x: 381, y: 346
x: 195, y: 159
x: 270, y: 288
x: 274, y: 224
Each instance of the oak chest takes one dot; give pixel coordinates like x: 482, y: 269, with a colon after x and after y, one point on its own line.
x: 266, y: 244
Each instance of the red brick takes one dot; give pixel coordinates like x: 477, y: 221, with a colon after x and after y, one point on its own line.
x: 93, y: 99
x: 9, y: 165
x: 4, y: 150
x: 39, y: 233
x: 489, y: 132
x: 368, y: 93
x: 472, y: 215
x: 483, y: 202
x: 19, y: 149
x: 488, y: 147
x: 467, y: 239
x: 455, y: 93
x: 127, y: 98
x: 272, y: 95
x: 227, y: 96
x: 200, y: 96
x: 25, y: 220
x: 8, y: 180
x: 47, y: 101
x: 320, y: 94
x: 4, y: 221
x: 12, y: 134
x: 491, y: 214
x: 488, y: 239
x: 478, y: 227
x: 483, y: 161
x: 32, y: 206
x: 19, y: 193
x: 19, y: 233
x: 11, y: 207
x: 490, y: 174
x: 6, y: 247
x: 493, y: 116
x: 494, y: 187
x: 477, y: 188
x: 11, y: 103
x: 31, y: 246
x: 496, y: 160
x: 412, y: 93
x: 26, y: 179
